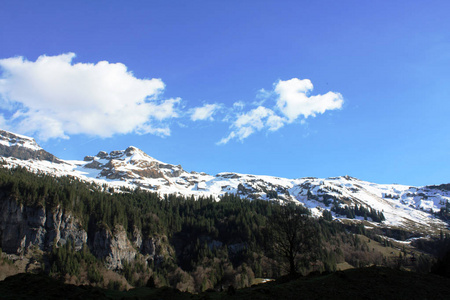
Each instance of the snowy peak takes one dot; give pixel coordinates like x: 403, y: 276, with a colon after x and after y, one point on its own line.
x: 135, y: 153
x: 23, y: 147
x: 10, y: 139
x: 133, y: 150
x: 131, y: 163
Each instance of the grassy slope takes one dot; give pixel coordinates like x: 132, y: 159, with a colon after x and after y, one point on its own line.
x: 364, y: 283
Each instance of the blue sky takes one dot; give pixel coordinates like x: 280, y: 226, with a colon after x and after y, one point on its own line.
x: 282, y: 88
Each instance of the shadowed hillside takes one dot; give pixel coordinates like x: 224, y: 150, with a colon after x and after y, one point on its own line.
x: 363, y: 283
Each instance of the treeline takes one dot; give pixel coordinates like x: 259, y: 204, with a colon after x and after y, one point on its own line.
x: 359, y: 211
x: 350, y: 212
x: 444, y: 212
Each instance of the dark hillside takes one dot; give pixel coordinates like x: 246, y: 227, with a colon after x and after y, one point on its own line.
x: 363, y: 283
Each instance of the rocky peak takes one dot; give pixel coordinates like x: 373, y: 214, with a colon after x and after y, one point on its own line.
x: 12, y: 139
x: 102, y: 154
x: 130, y: 163
x: 133, y: 150
x: 23, y: 147
x: 120, y: 154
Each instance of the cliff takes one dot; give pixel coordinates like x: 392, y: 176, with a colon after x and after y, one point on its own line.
x: 23, y: 227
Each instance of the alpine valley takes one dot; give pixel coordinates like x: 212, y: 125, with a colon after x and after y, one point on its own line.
x: 80, y: 209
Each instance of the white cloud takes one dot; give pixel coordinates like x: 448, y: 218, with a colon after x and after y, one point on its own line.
x: 205, y: 112
x: 293, y: 100
x: 252, y: 121
x: 225, y: 140
x: 262, y: 96
x: 239, y: 105
x: 55, y: 98
x: 275, y: 122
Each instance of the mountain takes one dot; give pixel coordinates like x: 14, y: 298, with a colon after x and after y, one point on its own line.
x: 416, y: 209
x: 24, y: 148
x: 124, y: 219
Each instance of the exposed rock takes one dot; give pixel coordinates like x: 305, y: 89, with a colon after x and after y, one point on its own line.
x: 151, y: 171
x: 132, y: 163
x: 102, y: 154
x: 229, y: 175
x: 243, y: 190
x: 116, y: 153
x: 94, y: 165
x: 22, y: 227
x: 114, y: 247
x: 21, y: 147
x: 137, y: 238
x: 157, y: 248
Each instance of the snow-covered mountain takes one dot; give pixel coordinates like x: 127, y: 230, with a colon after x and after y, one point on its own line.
x: 389, y: 205
x: 23, y: 147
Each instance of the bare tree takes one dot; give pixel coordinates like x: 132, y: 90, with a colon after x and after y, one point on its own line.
x: 293, y: 234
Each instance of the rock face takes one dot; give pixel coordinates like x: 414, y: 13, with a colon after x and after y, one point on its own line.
x: 22, y: 227
x: 22, y: 147
x: 113, y: 246
x: 156, y: 249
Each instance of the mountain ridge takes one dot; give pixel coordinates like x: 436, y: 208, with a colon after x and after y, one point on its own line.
x: 23, y: 147
x: 345, y: 197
